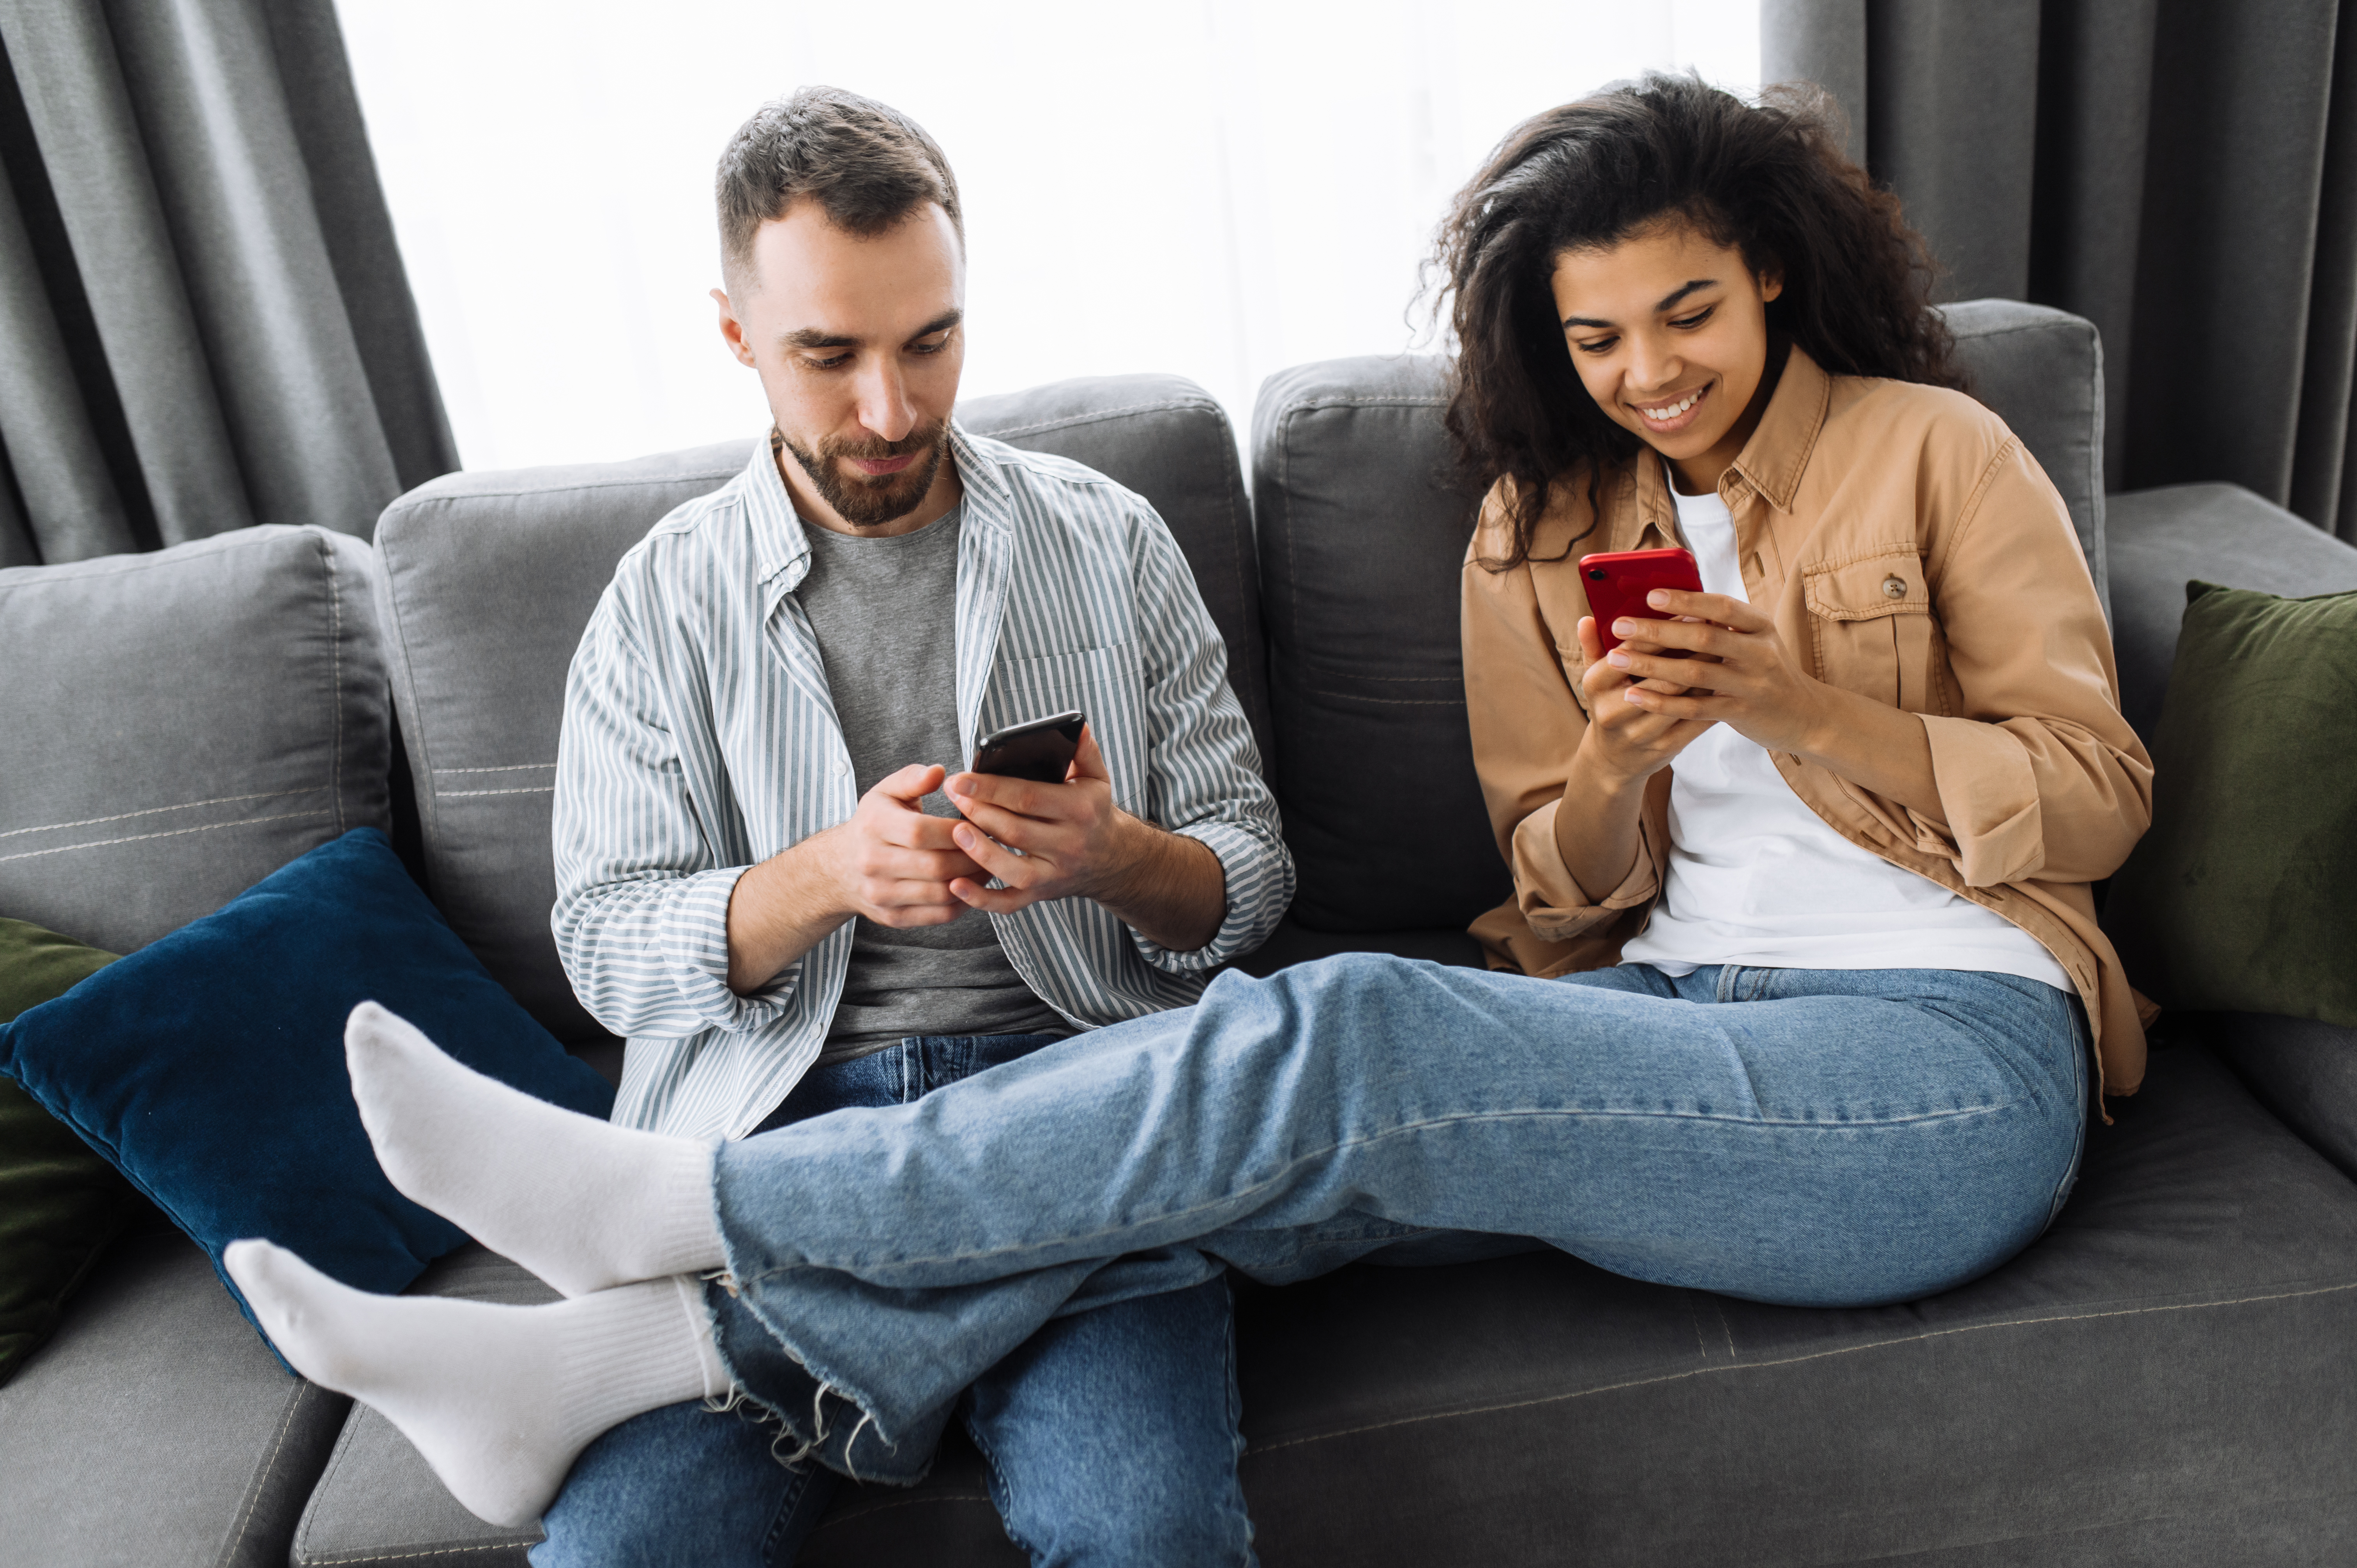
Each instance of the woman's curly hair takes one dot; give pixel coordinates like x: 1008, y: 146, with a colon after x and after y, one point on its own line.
x: 1771, y: 181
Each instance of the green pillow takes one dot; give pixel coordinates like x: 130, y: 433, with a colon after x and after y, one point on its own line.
x: 59, y: 1203
x: 2243, y: 896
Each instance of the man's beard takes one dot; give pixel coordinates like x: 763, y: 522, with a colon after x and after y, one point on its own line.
x: 865, y: 502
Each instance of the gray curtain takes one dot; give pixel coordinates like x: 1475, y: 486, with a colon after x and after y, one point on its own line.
x: 2181, y: 172
x: 204, y: 321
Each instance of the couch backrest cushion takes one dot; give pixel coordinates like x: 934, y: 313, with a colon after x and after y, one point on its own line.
x: 2042, y: 371
x: 488, y: 579
x: 1363, y: 526
x: 180, y: 724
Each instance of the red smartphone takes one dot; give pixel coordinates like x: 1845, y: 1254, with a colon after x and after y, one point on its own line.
x: 1618, y: 581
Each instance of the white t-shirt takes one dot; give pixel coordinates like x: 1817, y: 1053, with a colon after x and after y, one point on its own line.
x: 1757, y: 877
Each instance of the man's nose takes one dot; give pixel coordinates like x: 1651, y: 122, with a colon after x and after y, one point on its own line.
x: 884, y: 406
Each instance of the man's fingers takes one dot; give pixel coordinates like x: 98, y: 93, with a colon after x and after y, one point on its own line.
x: 1088, y: 762
x: 1016, y: 832
x: 1018, y: 795
x: 993, y: 900
x: 995, y: 859
x: 912, y: 783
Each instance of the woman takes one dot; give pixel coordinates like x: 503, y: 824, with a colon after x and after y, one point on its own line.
x: 1817, y: 895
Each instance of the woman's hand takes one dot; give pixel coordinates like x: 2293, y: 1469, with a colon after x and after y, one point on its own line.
x: 1629, y: 741
x: 1756, y: 689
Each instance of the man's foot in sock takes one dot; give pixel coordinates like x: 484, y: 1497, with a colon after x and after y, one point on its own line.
x: 584, y: 1204
x: 499, y: 1400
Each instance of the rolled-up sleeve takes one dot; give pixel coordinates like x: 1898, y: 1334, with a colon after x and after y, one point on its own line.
x: 2039, y: 775
x: 1526, y: 724
x: 1203, y: 769
x: 642, y: 912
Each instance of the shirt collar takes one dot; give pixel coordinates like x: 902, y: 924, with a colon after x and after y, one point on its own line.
x: 783, y: 551
x: 1778, y: 452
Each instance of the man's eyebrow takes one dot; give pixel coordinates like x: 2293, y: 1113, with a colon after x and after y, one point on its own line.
x: 813, y: 338
x: 1667, y: 301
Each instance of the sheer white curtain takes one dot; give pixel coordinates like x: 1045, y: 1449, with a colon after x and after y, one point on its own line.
x: 1215, y: 187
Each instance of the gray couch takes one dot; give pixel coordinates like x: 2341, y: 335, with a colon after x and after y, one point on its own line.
x: 2168, y: 1376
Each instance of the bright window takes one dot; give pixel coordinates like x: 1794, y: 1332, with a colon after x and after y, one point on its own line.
x: 1213, y: 188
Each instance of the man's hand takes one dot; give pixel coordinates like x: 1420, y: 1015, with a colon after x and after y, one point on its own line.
x: 888, y: 862
x: 1074, y: 841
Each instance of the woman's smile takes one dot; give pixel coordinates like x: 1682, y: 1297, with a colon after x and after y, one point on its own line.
x: 1668, y: 416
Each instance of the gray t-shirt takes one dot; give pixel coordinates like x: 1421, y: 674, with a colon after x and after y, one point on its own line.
x: 885, y: 612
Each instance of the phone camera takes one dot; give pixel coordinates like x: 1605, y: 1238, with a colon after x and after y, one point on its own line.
x: 1597, y: 573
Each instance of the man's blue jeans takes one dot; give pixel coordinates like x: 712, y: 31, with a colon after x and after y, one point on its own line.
x: 1111, y: 1436
x: 1822, y: 1138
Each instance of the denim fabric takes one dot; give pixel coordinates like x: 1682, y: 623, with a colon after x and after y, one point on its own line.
x: 1111, y: 1436
x: 1826, y: 1138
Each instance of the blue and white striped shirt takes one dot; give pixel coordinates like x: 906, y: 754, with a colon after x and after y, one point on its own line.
x: 700, y: 739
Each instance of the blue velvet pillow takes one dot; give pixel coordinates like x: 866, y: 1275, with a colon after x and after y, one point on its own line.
x: 209, y: 1066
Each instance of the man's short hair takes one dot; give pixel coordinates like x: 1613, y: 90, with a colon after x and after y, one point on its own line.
x: 866, y: 164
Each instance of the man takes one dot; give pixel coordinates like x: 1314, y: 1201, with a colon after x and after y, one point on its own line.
x: 774, y: 879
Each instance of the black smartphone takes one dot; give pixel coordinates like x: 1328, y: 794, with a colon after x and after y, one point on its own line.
x: 1040, y: 749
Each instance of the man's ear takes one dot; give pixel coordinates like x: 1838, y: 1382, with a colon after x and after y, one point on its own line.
x: 732, y: 331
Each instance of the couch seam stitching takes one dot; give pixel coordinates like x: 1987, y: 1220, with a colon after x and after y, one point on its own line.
x: 167, y: 833
x: 1791, y: 1361
x: 470, y: 794
x: 157, y: 811
x: 262, y: 1478
x: 421, y: 502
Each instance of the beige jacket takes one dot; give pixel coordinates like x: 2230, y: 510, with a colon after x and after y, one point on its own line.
x: 1910, y: 549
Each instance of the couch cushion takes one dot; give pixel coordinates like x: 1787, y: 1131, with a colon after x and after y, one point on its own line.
x: 2161, y: 540
x: 1362, y: 527
x: 378, y: 1502
x: 2164, y: 1377
x: 183, y: 723
x: 2242, y: 896
x: 60, y: 1204
x: 489, y: 577
x: 209, y: 1066
x: 155, y: 1429
x: 2042, y: 371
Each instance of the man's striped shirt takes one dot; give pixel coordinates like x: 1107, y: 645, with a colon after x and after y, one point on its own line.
x: 700, y: 740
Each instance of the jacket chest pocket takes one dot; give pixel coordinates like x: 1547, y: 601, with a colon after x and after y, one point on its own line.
x: 1873, y: 629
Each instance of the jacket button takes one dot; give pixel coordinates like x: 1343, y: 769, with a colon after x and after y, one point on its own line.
x: 1893, y: 588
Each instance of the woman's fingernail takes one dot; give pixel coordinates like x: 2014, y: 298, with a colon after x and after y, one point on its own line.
x: 1630, y: 694
x: 1658, y: 600
x: 1617, y: 660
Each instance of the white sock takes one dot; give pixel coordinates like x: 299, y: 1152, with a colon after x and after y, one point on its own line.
x: 499, y: 1400
x: 582, y: 1203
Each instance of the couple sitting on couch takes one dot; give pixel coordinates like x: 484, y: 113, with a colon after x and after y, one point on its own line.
x: 1800, y: 998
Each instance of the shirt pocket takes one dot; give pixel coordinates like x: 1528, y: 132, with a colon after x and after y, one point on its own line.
x: 1873, y: 631
x: 1104, y: 684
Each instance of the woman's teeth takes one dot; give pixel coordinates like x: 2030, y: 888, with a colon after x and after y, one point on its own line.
x: 1663, y: 414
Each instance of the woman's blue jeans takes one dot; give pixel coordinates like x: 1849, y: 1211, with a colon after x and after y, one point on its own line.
x: 1110, y: 1436
x: 1821, y: 1138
